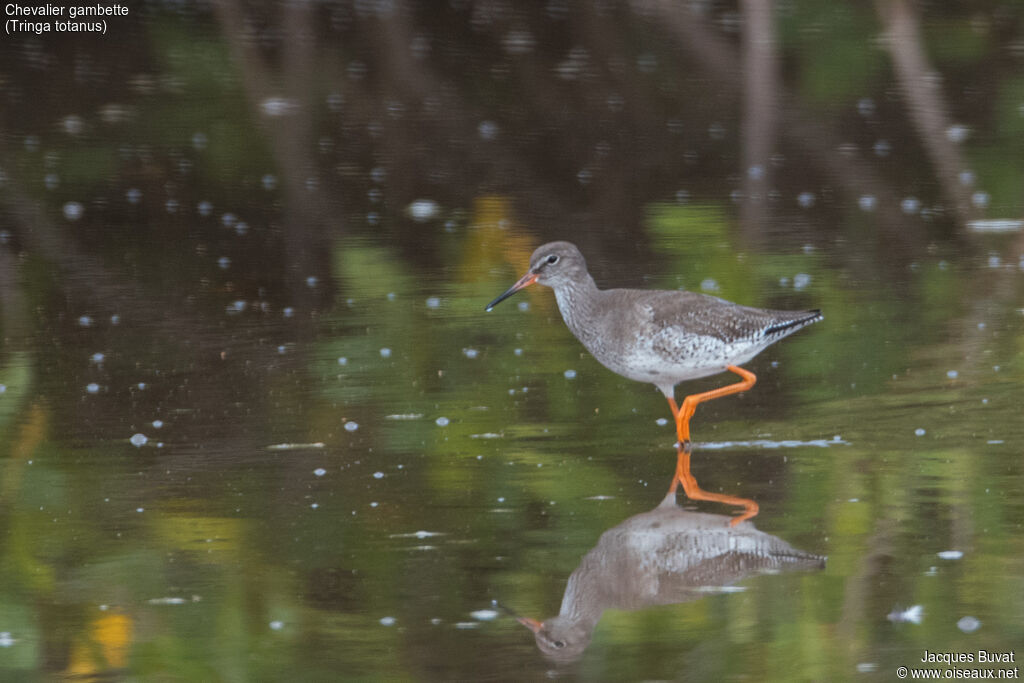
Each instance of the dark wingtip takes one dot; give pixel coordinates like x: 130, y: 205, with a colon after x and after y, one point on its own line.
x: 794, y: 325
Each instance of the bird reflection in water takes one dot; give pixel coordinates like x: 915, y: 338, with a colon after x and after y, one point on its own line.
x: 663, y: 557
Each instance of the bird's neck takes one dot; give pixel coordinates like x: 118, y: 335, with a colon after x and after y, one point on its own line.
x: 577, y: 301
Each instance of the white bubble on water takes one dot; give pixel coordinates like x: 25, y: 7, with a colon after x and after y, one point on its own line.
x: 882, y: 148
x: 276, y: 625
x: 484, y: 614
x: 319, y: 471
x: 97, y: 358
x: 867, y: 202
x: 980, y: 199
x: 968, y: 624
x: 910, y: 205
x: 351, y: 426
x: 517, y: 352
x: 919, y: 432
x: 709, y: 285
x: 806, y: 199
x: 950, y: 554
x: 470, y: 353
x: 199, y: 140
x: 957, y: 132
x: 488, y: 130
x: 269, y: 181
x: 952, y: 374
x: 570, y: 374
x: 157, y: 424
x: 138, y: 440
x: 387, y: 621
x: 523, y: 305
x: 228, y: 219
x: 378, y: 475
x: 311, y: 281
x: 204, y: 208
x: 92, y: 387
x: 73, y: 211
x: 385, y: 352
x: 288, y: 312
x: 224, y: 262
x: 241, y: 228
x: 433, y: 302
x: 442, y: 422
x: 801, y: 280
x: 422, y: 210
x: 661, y: 421
x: 342, y: 360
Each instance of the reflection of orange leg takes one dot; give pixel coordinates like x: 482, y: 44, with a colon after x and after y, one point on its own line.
x: 693, y: 490
x: 685, y: 412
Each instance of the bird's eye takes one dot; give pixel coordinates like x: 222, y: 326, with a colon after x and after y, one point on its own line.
x: 553, y: 259
x: 559, y: 644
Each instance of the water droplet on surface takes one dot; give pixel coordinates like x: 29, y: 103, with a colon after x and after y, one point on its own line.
x: 387, y: 621
x: 882, y: 148
x: 867, y: 202
x: 470, y: 353
x: 919, y: 432
x: 351, y: 426
x: 980, y: 199
x: 433, y: 302
x: 806, y: 199
x: 523, y: 305
x: 950, y: 554
x: 952, y: 374
x: 801, y: 280
x: 378, y: 475
x: 276, y: 625
x: 224, y: 262
x: 570, y: 374
x: 92, y: 387
x: 138, y: 440
x: 157, y: 424
x: 319, y: 471
x: 442, y: 421
x: 385, y: 352
x: 97, y: 358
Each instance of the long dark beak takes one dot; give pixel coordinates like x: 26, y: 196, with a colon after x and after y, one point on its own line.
x: 529, y: 623
x: 524, y: 281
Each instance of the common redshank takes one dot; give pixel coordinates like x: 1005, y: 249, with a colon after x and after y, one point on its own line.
x: 658, y: 336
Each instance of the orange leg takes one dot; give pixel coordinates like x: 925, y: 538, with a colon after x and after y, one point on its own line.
x: 693, y: 490
x: 684, y: 413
